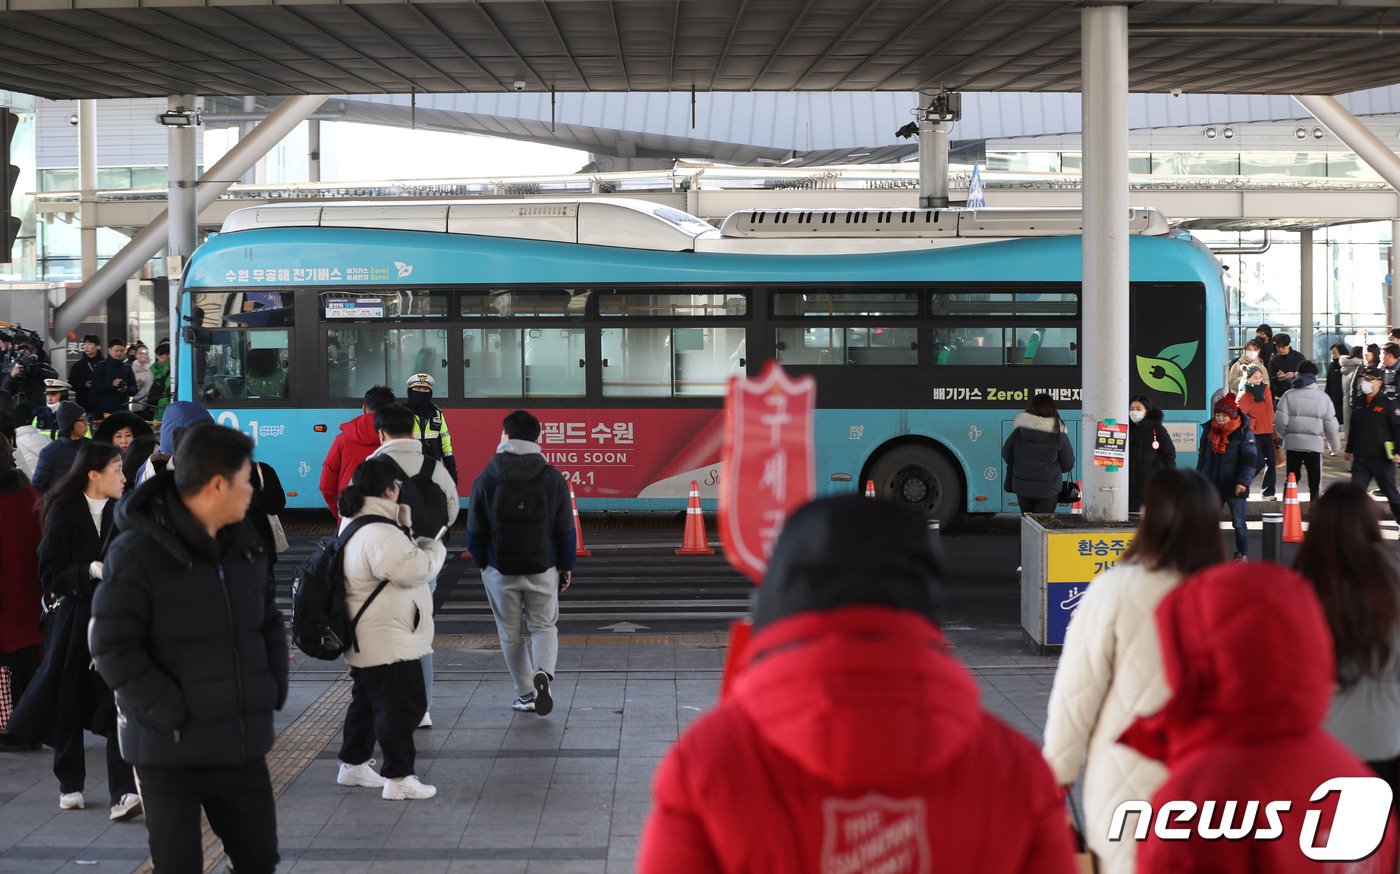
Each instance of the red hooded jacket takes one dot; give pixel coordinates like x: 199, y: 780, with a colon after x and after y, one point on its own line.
x: 1249, y: 657
x: 853, y: 740
x: 356, y: 440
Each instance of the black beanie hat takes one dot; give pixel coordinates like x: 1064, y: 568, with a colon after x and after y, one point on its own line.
x: 66, y: 414
x: 850, y: 550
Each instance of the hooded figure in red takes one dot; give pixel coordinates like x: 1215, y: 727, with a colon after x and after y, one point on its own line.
x: 1248, y: 654
x: 356, y: 441
x: 852, y: 739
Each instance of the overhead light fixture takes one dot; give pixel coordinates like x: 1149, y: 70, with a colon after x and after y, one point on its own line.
x: 179, y: 117
x: 1229, y: 133
x: 1317, y: 133
x: 1301, y: 133
x: 1210, y: 133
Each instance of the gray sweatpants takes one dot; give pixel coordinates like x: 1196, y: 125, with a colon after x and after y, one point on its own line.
x: 529, y: 601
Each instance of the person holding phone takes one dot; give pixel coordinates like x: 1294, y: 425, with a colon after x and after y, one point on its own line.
x: 113, y: 381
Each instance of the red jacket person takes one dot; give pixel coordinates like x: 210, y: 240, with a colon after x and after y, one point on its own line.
x: 853, y: 739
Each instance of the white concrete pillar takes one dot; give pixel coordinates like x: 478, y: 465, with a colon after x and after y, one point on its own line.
x: 1305, y: 300
x: 933, y: 157
x: 313, y: 151
x: 1104, y: 341
x: 1394, y: 273
x: 87, y: 185
x: 182, y: 232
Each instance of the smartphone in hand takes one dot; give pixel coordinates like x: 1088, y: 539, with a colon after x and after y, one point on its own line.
x: 442, y: 532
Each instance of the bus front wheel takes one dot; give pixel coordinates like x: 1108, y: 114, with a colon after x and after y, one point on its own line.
x: 921, y: 477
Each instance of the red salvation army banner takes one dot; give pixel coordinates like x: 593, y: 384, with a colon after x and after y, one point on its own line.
x: 769, y: 459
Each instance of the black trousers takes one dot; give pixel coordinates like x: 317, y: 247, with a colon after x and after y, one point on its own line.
x: 238, y: 802
x: 1363, y: 471
x: 1313, y: 462
x: 1389, y: 771
x: 70, y: 765
x: 386, y: 704
x: 1036, y: 505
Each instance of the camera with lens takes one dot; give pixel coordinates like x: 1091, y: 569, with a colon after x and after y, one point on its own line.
x: 26, y: 362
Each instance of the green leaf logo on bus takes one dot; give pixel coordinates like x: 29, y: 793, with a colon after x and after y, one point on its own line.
x: 1167, y: 371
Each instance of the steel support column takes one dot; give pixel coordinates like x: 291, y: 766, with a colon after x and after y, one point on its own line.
x: 183, y: 214
x: 1104, y: 355
x: 87, y: 185
x: 1305, y: 299
x: 152, y: 238
x: 1354, y: 135
x: 1394, y: 270
x: 313, y: 151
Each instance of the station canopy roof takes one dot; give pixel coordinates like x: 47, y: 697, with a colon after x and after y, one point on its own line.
x: 125, y: 48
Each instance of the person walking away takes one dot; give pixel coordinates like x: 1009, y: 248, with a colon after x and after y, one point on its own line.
x: 1373, y: 442
x: 1358, y: 581
x: 356, y: 441
x: 1283, y: 365
x: 141, y: 403
x: 395, y: 425
x: 1150, y: 447
x: 386, y: 576
x: 520, y: 531
x: 1308, y: 422
x: 429, y: 425
x: 186, y: 631
x: 1390, y: 366
x: 159, y: 394
x: 894, y: 769
x: 1038, y: 454
x: 133, y: 437
x: 1235, y: 373
x: 67, y: 697
x: 1228, y: 458
x: 1248, y: 655
x: 21, y: 640
x: 1110, y: 670
x: 113, y: 381
x: 1264, y: 336
x: 1351, y: 366
x: 180, y: 418
x: 269, y: 500
x: 1256, y: 402
x: 57, y: 458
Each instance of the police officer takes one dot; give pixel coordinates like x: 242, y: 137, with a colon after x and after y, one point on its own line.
x: 55, y: 393
x: 1373, y: 440
x: 428, y: 424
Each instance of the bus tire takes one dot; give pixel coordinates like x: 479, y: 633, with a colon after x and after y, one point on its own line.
x: 922, y: 477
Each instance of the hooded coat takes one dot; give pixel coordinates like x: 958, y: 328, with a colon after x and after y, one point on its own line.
x: 408, y: 454
x: 1145, y: 460
x: 20, y: 589
x: 356, y: 441
x: 1248, y: 655
x: 1236, y: 466
x: 1038, y: 454
x: 186, y: 632
x: 517, y: 460
x: 1306, y: 417
x: 852, y: 739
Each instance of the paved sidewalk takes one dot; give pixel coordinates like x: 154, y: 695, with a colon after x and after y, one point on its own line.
x: 516, y: 792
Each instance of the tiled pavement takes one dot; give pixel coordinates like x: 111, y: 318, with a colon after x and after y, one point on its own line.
x: 516, y: 792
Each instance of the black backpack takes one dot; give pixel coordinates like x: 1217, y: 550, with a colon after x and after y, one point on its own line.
x: 520, y: 517
x: 320, y: 627
x: 425, y: 499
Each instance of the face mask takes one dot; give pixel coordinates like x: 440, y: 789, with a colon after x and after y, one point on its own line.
x: 53, y: 407
x: 1222, y: 419
x: 1368, y: 386
x: 1136, y: 415
x: 1250, y: 355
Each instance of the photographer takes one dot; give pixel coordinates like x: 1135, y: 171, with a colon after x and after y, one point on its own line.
x: 113, y: 380
x: 26, y: 376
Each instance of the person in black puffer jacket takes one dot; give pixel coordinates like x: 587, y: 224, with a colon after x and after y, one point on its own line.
x: 1228, y: 458
x: 1150, y: 447
x: 186, y: 632
x: 1037, y: 455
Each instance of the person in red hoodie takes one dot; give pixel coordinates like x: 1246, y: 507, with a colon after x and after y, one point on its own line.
x: 1248, y: 654
x: 852, y: 739
x: 355, y: 442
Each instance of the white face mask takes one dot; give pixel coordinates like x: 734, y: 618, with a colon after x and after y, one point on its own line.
x: 54, y: 406
x: 1250, y: 355
x: 1368, y: 386
x: 1136, y: 415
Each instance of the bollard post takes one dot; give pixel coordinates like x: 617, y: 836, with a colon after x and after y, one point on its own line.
x: 1273, y: 537
x: 934, y: 534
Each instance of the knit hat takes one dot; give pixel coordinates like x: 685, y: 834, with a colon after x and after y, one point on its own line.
x: 1227, y: 405
x: 66, y: 414
x: 846, y: 551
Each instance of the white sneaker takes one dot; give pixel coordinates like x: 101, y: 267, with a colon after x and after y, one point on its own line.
x: 129, y: 807
x: 426, y: 721
x: 70, y: 801
x: 359, y: 775
x: 408, y: 788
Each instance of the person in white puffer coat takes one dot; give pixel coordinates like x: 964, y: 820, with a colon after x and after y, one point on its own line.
x: 393, y: 633
x: 1110, y: 671
x: 1308, y: 422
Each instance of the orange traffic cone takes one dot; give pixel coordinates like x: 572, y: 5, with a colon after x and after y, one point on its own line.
x: 1292, y: 516
x: 870, y: 488
x: 695, y: 542
x: 578, y: 526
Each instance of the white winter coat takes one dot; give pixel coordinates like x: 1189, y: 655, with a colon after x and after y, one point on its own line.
x: 407, y: 452
x: 1110, y: 673
x: 1307, y: 419
x: 398, y: 626
x: 29, y: 442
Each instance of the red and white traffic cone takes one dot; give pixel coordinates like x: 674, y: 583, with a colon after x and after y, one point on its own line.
x: 870, y: 488
x: 1292, y: 514
x: 695, y: 542
x: 1078, y: 506
x: 578, y: 526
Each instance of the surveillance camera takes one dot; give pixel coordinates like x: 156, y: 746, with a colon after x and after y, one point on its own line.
x: 1176, y: 92
x: 518, y: 84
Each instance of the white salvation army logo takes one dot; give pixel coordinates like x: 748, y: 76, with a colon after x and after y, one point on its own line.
x: 875, y: 833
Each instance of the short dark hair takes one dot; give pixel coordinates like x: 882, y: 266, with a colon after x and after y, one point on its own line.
x: 521, y: 425
x: 115, y: 341
x: 209, y: 450
x: 1283, y: 340
x: 91, y: 338
x: 1395, y: 332
x: 396, y: 420
x: 162, y: 348
x: 1391, y: 349
x: 1265, y: 330
x: 378, y: 398
x: 1308, y: 367
x: 1180, y: 525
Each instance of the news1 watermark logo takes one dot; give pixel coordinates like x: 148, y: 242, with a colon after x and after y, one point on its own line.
x: 1358, y: 825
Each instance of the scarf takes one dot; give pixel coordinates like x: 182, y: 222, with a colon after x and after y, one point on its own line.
x: 1220, y: 435
x: 1256, y: 391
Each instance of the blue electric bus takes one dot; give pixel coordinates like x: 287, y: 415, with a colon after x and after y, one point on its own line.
x: 620, y: 322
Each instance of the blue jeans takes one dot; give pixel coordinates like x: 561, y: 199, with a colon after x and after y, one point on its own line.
x: 1237, y: 512
x: 1363, y: 470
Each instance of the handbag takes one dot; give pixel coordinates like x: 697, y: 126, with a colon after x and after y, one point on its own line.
x: 279, y: 535
x: 1069, y: 492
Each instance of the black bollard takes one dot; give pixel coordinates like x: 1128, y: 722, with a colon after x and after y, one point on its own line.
x: 933, y: 533
x: 1273, y: 537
